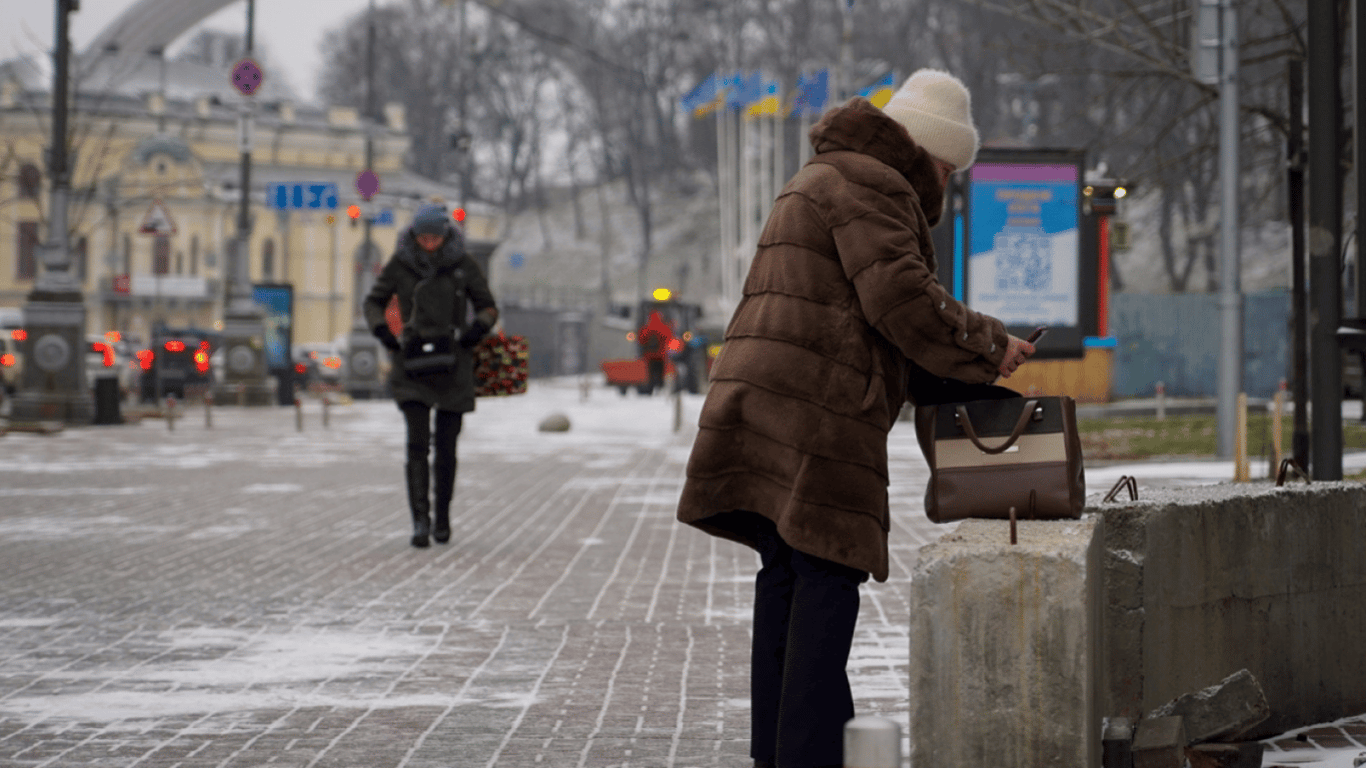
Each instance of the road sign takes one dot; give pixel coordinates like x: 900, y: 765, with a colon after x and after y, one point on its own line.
x: 247, y: 76
x: 302, y: 196
x: 158, y: 221
x: 367, y: 184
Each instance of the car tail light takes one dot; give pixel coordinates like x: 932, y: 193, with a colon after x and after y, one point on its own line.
x: 175, y: 346
x: 6, y: 360
x: 18, y: 334
x: 145, y: 359
x: 299, y: 368
x: 332, y: 362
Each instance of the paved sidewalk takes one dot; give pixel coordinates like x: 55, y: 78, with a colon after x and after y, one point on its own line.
x: 245, y: 595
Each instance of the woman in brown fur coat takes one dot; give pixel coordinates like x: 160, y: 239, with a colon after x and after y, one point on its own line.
x: 841, y: 302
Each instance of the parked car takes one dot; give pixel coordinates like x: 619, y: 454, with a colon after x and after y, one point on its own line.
x: 319, y: 363
x: 110, y: 359
x: 9, y: 363
x: 177, y: 362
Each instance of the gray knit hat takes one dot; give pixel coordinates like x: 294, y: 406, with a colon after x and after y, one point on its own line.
x: 430, y: 220
x: 936, y: 109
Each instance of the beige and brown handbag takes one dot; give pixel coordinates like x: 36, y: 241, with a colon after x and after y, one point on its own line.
x: 987, y: 456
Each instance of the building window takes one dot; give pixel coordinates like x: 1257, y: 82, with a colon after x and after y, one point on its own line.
x: 161, y: 255
x: 28, y: 243
x: 194, y: 254
x: 30, y: 181
x: 268, y: 260
x: 180, y: 262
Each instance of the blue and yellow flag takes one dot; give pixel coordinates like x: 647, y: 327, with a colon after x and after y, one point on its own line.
x: 880, y: 92
x: 706, y: 98
x: 744, y: 90
x: 813, y: 91
x: 767, y: 103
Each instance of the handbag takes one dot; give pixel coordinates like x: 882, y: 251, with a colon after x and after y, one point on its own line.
x: 429, y: 357
x: 987, y: 456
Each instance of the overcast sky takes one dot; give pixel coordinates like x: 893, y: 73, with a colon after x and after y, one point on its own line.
x: 288, y: 30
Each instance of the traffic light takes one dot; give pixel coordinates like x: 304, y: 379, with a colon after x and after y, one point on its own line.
x: 1103, y: 197
x: 459, y: 215
x: 662, y: 294
x: 353, y: 211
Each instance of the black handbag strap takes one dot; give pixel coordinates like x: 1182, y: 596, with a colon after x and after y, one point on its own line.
x: 1025, y: 414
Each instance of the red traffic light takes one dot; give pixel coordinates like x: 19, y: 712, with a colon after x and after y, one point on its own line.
x: 353, y: 211
x: 458, y: 214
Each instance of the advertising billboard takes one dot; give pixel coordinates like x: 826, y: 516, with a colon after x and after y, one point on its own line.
x: 1022, y: 257
x: 277, y: 304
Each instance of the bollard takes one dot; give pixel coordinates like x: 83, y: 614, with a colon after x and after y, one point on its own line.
x: 678, y: 410
x: 170, y: 413
x: 1277, y: 413
x: 298, y: 415
x: 242, y: 395
x: 1242, y: 467
x: 1161, y: 401
x: 585, y: 387
x: 208, y: 410
x: 327, y: 402
x: 872, y: 742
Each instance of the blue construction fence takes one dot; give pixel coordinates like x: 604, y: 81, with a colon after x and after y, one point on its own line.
x: 1174, y: 339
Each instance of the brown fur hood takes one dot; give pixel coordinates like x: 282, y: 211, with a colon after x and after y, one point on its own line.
x: 860, y: 127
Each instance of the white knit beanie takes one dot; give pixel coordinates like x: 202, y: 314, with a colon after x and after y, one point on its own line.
x: 936, y: 109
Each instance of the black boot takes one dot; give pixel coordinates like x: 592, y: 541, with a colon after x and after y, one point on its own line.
x: 419, y: 502
x: 444, y: 471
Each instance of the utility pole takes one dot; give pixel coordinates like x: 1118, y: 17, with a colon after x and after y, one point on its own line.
x: 363, y: 368
x: 243, y: 323
x: 844, y: 87
x: 1325, y: 239
x: 1230, y: 279
x: 1299, y: 440
x: 53, y: 385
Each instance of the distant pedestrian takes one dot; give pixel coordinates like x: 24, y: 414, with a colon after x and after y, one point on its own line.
x: 840, y: 306
x: 655, y: 338
x: 433, y: 366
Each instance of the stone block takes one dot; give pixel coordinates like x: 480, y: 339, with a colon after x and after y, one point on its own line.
x: 1160, y: 743
x: 1247, y: 754
x: 1220, y: 712
x: 1005, y: 645
x: 555, y: 422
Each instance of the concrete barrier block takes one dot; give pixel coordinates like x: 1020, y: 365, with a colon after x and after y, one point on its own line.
x: 1005, y: 645
x: 1160, y: 743
x: 1220, y: 711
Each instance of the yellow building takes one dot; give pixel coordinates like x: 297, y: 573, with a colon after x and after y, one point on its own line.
x: 152, y: 136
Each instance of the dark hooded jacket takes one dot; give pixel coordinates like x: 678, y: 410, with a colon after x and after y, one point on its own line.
x: 840, y: 296
x: 433, y: 291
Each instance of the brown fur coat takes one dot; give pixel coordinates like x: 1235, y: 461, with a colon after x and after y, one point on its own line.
x: 841, y: 293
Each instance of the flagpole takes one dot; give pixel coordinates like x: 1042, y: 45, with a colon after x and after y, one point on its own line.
x: 723, y: 183
x: 779, y: 166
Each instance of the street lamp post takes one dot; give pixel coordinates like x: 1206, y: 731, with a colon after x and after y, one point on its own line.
x: 53, y: 385
x: 243, y: 321
x: 363, y: 368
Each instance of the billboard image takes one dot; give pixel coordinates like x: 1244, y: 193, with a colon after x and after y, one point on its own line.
x: 277, y: 303
x: 1024, y: 254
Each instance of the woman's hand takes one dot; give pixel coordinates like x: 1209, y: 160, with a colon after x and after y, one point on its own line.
x: 1017, y: 351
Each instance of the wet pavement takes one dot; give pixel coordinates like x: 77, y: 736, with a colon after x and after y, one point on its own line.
x: 245, y: 595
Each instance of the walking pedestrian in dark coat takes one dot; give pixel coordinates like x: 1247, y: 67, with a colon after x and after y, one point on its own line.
x: 434, y: 279
x: 791, y: 457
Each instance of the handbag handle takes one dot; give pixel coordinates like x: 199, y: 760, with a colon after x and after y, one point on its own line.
x: 1025, y: 415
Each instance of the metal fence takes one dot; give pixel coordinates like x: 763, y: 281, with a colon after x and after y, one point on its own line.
x: 1174, y: 339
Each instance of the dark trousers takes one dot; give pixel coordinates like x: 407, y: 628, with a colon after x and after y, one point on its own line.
x: 655, y: 368
x: 805, y: 609
x: 421, y: 441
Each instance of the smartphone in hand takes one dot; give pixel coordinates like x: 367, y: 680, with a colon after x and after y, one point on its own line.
x: 1037, y: 334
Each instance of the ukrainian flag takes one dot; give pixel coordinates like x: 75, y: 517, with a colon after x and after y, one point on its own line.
x: 767, y: 103
x: 881, y: 91
x: 744, y: 90
x: 704, y: 99
x: 813, y: 91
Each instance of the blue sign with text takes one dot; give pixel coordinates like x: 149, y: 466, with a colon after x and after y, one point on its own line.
x: 302, y: 196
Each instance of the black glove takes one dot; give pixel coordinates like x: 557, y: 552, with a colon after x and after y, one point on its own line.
x: 386, y: 337
x: 471, y: 337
